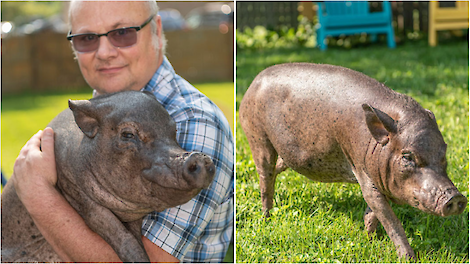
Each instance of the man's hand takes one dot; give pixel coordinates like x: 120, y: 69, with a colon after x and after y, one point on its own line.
x: 35, y: 170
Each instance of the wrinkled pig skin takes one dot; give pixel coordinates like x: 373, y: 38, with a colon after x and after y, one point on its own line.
x: 120, y: 163
x: 333, y: 124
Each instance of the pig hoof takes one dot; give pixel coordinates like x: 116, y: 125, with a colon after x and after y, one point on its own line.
x: 370, y: 221
x: 266, y: 214
x: 408, y: 256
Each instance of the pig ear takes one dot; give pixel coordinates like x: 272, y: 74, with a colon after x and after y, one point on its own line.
x: 379, y: 123
x: 431, y: 114
x: 83, y: 111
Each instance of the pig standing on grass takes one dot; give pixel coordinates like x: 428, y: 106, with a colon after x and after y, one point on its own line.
x: 334, y: 124
x: 117, y: 160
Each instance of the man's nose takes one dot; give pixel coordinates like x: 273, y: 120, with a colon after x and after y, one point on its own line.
x: 106, y: 49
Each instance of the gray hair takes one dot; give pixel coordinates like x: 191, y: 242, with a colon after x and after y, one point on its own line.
x: 152, y: 8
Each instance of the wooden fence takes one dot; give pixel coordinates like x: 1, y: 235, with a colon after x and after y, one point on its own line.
x: 408, y: 16
x: 271, y: 15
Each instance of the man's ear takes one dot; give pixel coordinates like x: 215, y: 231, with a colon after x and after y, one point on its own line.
x: 158, y: 20
x: 379, y: 123
x: 85, y: 116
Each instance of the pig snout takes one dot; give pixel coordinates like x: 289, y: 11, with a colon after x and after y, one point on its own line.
x: 444, y: 202
x: 198, y: 170
x: 188, y: 171
x: 454, y: 204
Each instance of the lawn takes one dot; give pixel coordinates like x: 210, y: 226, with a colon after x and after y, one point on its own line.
x: 23, y: 115
x: 319, y: 222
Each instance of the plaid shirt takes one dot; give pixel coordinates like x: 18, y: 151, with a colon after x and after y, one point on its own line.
x: 200, y: 230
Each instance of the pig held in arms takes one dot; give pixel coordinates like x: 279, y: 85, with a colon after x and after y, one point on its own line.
x: 117, y: 160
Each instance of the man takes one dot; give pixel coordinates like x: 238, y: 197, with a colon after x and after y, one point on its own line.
x: 120, y: 46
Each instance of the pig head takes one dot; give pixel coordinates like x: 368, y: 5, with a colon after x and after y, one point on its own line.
x: 117, y: 160
x: 411, y: 156
x: 334, y: 124
x: 405, y: 162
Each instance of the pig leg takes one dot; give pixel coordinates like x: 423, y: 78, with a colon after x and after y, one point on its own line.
x: 382, y: 210
x: 265, y: 157
x: 135, y: 227
x: 370, y: 221
x: 267, y: 180
x: 102, y: 221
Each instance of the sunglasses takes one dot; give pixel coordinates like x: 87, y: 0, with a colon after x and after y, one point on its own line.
x: 119, y: 38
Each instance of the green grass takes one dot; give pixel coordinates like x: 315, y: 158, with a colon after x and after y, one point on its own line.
x: 319, y: 222
x: 23, y: 115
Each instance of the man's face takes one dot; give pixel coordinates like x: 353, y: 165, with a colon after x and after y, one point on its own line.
x: 110, y: 69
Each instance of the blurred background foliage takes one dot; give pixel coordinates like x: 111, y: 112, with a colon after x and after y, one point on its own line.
x: 268, y: 25
x: 15, y: 11
x: 260, y: 37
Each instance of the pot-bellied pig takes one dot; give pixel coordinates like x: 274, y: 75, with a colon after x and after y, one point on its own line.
x: 334, y: 124
x: 117, y: 160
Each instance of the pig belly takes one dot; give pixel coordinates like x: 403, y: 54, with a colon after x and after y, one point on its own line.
x: 329, y: 167
x: 305, y: 141
x: 21, y: 239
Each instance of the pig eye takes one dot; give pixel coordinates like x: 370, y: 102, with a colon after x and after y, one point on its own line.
x: 408, y: 157
x: 127, y: 135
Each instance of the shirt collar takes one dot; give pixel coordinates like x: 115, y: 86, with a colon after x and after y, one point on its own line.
x: 164, y: 72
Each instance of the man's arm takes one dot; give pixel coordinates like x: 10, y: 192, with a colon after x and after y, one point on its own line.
x: 156, y: 253
x: 67, y: 232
